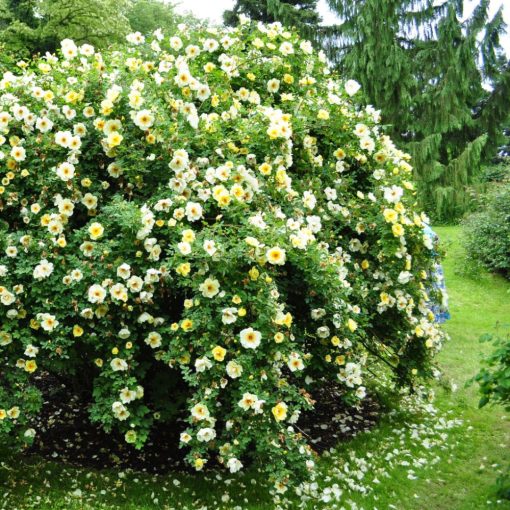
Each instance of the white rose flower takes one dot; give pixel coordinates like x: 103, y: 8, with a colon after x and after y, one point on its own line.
x: 229, y: 315
x: 234, y: 465
x: 119, y: 365
x: 234, y: 369
x: 250, y: 338
x: 205, y: 435
x: 96, y: 294
x: 352, y: 87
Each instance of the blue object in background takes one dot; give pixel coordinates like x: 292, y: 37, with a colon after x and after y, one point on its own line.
x: 439, y: 309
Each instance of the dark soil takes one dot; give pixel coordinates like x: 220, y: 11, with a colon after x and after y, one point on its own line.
x: 66, y: 434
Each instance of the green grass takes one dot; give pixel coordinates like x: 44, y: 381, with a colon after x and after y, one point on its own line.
x: 479, y: 303
x: 458, y: 474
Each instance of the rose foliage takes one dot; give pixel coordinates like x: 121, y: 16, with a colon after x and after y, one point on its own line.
x: 204, y: 225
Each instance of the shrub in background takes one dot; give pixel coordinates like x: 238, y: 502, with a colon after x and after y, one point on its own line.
x: 496, y: 173
x: 205, y: 219
x: 487, y: 232
x: 494, y: 381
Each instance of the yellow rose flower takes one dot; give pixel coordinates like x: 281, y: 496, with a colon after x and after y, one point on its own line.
x: 265, y: 169
x: 390, y: 215
x: 219, y: 353
x: 276, y: 256
x: 352, y: 325
x: 186, y: 324
x: 13, y: 412
x: 188, y: 236
x: 30, y: 366
x: 400, y: 207
x: 418, y: 330
x: 280, y: 411
x: 288, y: 78
x: 114, y: 139
x: 323, y: 115
x: 397, y: 229
x: 340, y: 359
x: 287, y: 320
x: 254, y: 273
x: 96, y: 231
x: 77, y: 331
x: 183, y: 269
x: 199, y: 464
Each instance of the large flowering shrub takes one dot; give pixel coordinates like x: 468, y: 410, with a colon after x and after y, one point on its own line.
x: 204, y: 221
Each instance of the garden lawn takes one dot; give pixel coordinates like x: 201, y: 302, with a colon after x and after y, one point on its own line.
x: 456, y: 475
x: 479, y: 303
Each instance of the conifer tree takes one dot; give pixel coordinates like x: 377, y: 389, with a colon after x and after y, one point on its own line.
x: 301, y: 14
x: 427, y: 69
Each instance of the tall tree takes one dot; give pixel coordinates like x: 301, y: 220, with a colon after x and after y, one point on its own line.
x: 98, y: 22
x: 37, y: 26
x: 426, y: 69
x: 145, y: 16
x: 24, y: 11
x: 301, y: 14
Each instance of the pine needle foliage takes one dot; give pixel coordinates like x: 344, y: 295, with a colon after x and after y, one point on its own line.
x: 428, y: 67
x: 301, y: 14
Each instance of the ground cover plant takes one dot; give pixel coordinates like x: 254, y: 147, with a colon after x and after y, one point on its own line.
x: 205, y: 225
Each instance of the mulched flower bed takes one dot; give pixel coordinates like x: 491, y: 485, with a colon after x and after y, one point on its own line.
x: 65, y: 433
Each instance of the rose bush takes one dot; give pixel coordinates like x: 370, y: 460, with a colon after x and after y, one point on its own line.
x: 205, y: 221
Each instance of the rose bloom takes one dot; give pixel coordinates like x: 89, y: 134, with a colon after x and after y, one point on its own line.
x: 65, y: 171
x: 206, y: 434
x: 250, y: 338
x: 124, y: 271
x: 118, y: 365
x: 234, y: 465
x: 234, y: 369
x: 153, y: 340
x: 96, y: 294
x: 144, y: 119
x: 193, y: 211
x: 229, y: 315
x: 276, y: 256
x: 248, y: 401
x: 96, y: 231
x: 210, y: 287
x: 48, y: 321
x: 200, y: 412
x: 280, y: 411
x: 352, y: 87
x: 219, y: 353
